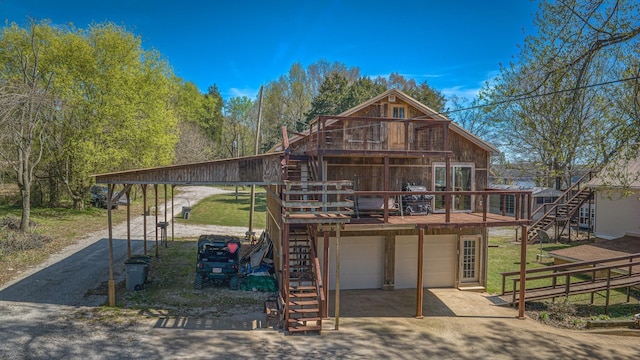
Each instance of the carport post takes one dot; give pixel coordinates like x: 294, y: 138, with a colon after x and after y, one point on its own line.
x: 419, y: 285
x: 144, y: 217
x: 338, y: 277
x: 111, y: 282
x: 173, y: 215
x: 523, y: 270
x: 165, y: 215
x: 128, y: 226
x: 155, y: 190
x: 325, y: 273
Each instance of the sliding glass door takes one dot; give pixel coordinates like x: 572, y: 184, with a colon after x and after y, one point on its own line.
x: 461, y: 180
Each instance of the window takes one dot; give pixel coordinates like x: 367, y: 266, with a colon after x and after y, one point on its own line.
x: 398, y: 112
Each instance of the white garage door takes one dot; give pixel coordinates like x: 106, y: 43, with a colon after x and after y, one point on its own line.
x: 361, y: 261
x: 439, y: 268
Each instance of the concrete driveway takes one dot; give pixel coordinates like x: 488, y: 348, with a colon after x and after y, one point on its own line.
x: 378, y: 324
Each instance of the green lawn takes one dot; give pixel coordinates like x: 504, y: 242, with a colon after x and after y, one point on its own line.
x: 227, y: 211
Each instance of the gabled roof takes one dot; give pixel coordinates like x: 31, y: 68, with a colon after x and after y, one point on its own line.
x: 622, y: 172
x: 418, y: 105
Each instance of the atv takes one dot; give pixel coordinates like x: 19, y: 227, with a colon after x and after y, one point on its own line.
x: 218, y: 261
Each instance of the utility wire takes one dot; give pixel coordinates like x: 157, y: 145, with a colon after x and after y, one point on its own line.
x: 512, y: 99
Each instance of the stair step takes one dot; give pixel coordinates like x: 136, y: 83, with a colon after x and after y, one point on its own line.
x: 301, y: 288
x: 303, y: 295
x: 303, y: 319
x: 303, y: 302
x: 304, y: 311
x: 305, y: 328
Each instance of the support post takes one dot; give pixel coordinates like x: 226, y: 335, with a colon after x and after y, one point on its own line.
x: 155, y: 190
x: 325, y: 273
x: 523, y: 270
x: 128, y: 225
x: 165, y: 215
x: 386, y: 189
x: 447, y: 198
x: 173, y: 215
x: 144, y: 217
x: 419, y: 285
x: 337, y: 277
x: 111, y: 282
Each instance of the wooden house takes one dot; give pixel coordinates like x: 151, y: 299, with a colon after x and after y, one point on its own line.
x: 344, y: 218
x: 387, y: 195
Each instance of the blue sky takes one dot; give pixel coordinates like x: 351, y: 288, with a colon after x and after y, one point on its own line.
x: 455, y: 45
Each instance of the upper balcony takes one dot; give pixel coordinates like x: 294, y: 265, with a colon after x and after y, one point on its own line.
x: 384, y: 136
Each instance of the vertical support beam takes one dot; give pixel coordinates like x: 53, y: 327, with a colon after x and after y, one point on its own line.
x: 389, y: 261
x: 155, y: 190
x: 419, y: 285
x: 484, y: 207
x: 325, y: 273
x: 111, y: 282
x: 523, y: 270
x: 337, y: 277
x: 516, y: 208
x: 144, y: 217
x: 165, y: 215
x: 447, y: 198
x: 386, y: 189
x: 173, y: 216
x: 406, y: 134
x: 128, y: 225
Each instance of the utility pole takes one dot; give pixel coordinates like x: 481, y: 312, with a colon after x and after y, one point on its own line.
x: 250, y: 233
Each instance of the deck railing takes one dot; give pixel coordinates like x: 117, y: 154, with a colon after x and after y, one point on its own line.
x: 478, y: 202
x: 316, y: 201
x: 373, y: 134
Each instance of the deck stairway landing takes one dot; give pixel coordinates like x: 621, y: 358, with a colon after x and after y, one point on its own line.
x: 563, y: 209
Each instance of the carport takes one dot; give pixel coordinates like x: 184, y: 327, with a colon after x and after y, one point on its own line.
x: 251, y: 171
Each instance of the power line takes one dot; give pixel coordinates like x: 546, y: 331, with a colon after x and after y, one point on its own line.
x: 513, y: 99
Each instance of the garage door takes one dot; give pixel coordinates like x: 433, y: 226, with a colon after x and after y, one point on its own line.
x: 440, y: 259
x: 361, y: 261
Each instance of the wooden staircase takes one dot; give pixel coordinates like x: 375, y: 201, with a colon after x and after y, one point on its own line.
x: 563, y: 209
x: 303, y: 306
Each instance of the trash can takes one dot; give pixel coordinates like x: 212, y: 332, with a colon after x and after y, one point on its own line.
x: 147, y: 260
x: 136, y: 270
x: 186, y: 212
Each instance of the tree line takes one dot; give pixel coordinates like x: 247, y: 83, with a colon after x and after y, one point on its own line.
x: 76, y: 102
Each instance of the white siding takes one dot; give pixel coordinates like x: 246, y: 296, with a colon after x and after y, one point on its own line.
x: 617, y: 216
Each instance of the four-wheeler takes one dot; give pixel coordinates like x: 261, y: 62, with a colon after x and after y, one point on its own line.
x: 218, y: 261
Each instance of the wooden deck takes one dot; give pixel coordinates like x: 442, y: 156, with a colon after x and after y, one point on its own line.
x: 432, y: 221
x: 438, y: 220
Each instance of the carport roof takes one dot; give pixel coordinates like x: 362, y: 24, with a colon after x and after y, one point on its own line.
x: 262, y: 169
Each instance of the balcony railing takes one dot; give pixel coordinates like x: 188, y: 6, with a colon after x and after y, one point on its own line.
x: 446, y: 202
x: 369, y: 134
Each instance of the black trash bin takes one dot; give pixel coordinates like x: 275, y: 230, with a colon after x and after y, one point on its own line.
x: 136, y: 273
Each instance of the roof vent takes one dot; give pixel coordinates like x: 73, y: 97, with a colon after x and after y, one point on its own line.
x: 392, y: 98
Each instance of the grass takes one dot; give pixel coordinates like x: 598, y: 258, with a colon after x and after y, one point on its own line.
x: 225, y: 210
x: 65, y: 226
x: 171, y: 291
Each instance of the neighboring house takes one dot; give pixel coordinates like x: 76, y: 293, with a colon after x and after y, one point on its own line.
x: 617, y: 200
x: 506, y: 203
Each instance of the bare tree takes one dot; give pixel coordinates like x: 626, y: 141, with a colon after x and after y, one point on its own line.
x: 26, y: 108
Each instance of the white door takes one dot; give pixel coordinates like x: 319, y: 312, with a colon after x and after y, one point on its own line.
x: 440, y: 261
x: 469, y: 258
x: 361, y: 261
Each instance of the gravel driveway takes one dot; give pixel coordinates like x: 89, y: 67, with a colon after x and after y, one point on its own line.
x: 50, y: 313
